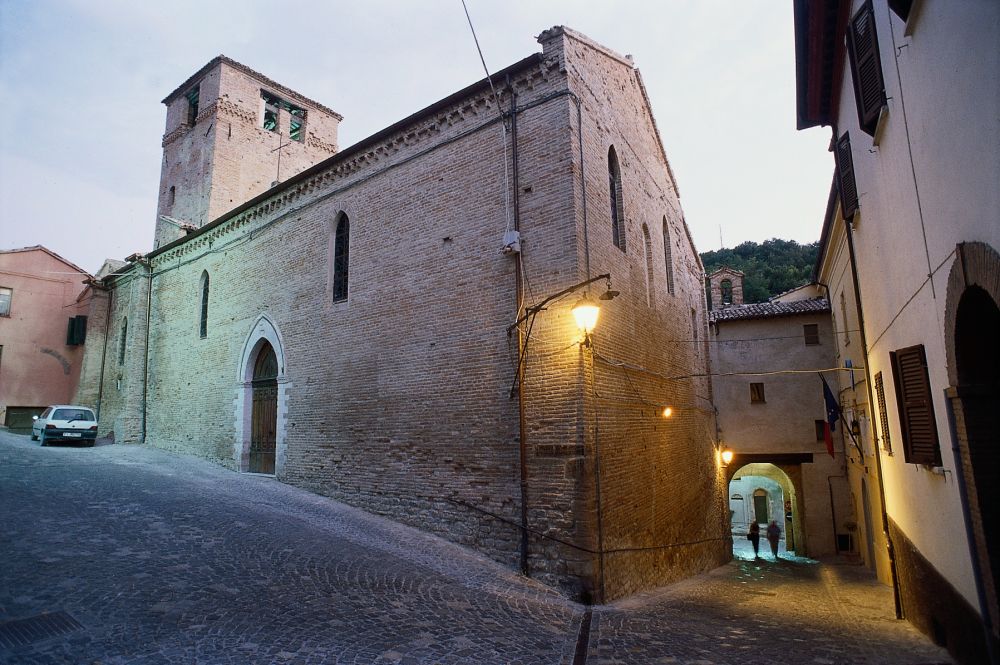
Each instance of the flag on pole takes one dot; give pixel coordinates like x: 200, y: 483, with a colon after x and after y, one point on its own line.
x: 832, y: 415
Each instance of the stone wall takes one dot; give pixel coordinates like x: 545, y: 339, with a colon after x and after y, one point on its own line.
x: 656, y: 480
x: 399, y: 400
x: 934, y: 606
x: 226, y: 158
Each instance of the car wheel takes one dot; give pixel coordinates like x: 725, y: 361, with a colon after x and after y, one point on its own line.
x: 42, y: 439
x: 33, y: 436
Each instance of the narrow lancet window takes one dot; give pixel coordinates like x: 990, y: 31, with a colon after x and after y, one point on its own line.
x: 341, y: 246
x: 647, y: 245
x: 203, y: 318
x: 668, y: 260
x: 121, y: 342
x: 617, y: 208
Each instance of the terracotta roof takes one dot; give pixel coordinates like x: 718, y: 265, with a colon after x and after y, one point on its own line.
x: 40, y: 248
x: 769, y: 310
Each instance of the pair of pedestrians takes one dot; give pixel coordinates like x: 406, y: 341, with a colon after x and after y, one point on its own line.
x: 773, y: 536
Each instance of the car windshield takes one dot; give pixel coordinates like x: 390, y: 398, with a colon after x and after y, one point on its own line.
x: 72, y: 414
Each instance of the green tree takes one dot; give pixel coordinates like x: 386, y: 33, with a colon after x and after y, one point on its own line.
x: 770, y: 268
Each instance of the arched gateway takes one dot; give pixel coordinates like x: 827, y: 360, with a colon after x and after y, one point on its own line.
x: 261, y: 404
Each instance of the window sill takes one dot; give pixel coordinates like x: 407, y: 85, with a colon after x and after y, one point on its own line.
x: 912, y: 18
x: 883, y: 118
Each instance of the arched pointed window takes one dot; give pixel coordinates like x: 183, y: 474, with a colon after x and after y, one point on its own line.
x: 341, y: 258
x: 121, y: 342
x: 668, y: 257
x: 726, y: 287
x: 647, y: 245
x: 617, y: 204
x: 203, y: 318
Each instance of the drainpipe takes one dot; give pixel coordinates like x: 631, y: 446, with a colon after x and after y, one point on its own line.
x: 145, y: 359
x: 522, y: 423
x: 104, y: 352
x: 897, y: 601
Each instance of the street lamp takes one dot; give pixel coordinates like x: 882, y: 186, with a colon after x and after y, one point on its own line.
x: 586, y: 311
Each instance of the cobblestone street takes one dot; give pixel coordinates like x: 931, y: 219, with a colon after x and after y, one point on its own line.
x: 135, y: 555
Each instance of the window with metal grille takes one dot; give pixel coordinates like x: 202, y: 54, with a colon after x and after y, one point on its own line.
x: 883, y: 416
x: 6, y: 295
x: 121, y: 342
x: 847, y: 187
x: 820, y: 430
x: 341, y: 257
x: 757, y: 393
x: 810, y: 332
x: 617, y: 204
x: 866, y: 68
x: 918, y: 425
x: 843, y: 317
x: 668, y: 260
x: 203, y: 318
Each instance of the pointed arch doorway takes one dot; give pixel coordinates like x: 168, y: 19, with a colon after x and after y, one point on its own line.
x: 262, y: 401
x: 264, y: 411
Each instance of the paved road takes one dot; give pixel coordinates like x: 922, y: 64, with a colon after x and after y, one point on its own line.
x: 127, y: 554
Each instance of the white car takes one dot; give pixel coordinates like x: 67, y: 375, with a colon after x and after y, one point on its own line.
x: 65, y: 422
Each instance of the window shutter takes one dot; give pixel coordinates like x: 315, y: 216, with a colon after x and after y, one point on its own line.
x: 845, y: 177
x: 866, y: 68
x: 80, y: 329
x: 916, y: 409
x: 76, y: 330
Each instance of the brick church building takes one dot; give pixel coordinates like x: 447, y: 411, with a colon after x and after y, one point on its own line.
x: 391, y: 324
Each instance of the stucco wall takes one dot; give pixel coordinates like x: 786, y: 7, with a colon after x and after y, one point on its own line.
x: 37, y: 367
x: 912, y: 214
x: 786, y: 421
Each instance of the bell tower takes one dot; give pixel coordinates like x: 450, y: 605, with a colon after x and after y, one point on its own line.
x: 232, y: 134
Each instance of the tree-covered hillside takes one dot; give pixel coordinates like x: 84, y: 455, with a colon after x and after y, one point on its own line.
x: 773, y: 267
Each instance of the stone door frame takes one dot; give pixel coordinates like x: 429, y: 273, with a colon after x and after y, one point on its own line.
x: 263, y: 330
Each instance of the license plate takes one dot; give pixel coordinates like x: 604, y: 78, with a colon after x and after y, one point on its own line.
x: 72, y: 434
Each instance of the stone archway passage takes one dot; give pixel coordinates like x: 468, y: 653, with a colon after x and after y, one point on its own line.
x: 977, y: 331
x: 264, y: 413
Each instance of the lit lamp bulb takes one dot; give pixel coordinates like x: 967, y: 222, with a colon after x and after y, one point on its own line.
x: 585, y: 312
x: 727, y: 456
x: 668, y: 411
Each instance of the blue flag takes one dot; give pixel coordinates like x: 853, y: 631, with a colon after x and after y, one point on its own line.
x: 832, y: 415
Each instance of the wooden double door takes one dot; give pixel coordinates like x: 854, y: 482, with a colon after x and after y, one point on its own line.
x: 264, y: 413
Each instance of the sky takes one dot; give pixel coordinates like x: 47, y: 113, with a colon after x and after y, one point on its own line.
x: 80, y: 146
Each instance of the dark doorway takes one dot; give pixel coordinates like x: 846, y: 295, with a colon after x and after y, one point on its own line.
x: 977, y: 355
x: 761, y: 515
x: 264, y: 415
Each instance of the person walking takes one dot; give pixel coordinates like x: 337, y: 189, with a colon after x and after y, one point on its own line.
x: 754, y: 537
x: 773, y: 536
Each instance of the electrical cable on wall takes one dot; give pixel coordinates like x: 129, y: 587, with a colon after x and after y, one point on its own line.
x: 503, y: 123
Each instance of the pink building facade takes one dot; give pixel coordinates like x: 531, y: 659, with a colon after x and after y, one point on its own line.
x: 43, y: 307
